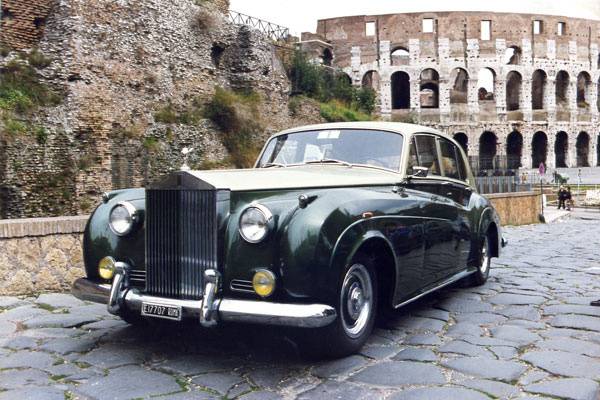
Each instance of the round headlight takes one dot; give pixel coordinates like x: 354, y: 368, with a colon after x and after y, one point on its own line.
x: 255, y: 223
x: 263, y: 282
x: 106, y: 268
x: 122, y: 218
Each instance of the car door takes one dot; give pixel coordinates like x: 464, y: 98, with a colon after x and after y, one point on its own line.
x: 438, y: 214
x: 456, y: 190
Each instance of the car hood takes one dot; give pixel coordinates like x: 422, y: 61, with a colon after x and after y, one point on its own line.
x: 306, y: 176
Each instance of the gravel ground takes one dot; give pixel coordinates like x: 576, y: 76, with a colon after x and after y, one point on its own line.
x: 528, y: 333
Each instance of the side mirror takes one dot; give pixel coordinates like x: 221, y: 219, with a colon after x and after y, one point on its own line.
x: 420, y: 172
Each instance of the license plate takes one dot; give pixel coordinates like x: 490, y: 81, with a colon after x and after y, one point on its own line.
x: 161, y: 311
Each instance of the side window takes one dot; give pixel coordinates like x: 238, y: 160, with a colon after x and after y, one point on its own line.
x: 449, y: 161
x: 413, y: 161
x: 428, y: 156
x: 462, y: 167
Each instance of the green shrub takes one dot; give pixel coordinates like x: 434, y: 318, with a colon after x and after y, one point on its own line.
x: 335, y: 111
x: 151, y: 144
x: 237, y: 116
x: 325, y: 84
x: 21, y: 90
x: 166, y: 115
x: 41, y: 135
x: 13, y: 127
x: 38, y: 60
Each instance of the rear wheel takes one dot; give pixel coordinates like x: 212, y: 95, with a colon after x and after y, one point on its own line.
x: 356, y: 308
x: 482, y: 274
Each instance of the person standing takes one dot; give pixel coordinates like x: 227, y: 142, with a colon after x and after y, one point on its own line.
x: 568, y: 198
x: 562, y: 196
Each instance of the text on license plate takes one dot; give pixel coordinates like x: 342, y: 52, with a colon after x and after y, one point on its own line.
x: 161, y: 311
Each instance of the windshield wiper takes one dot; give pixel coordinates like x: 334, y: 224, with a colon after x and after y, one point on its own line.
x: 278, y: 165
x: 329, y: 161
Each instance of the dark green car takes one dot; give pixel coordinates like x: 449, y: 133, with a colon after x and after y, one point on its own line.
x: 335, y: 223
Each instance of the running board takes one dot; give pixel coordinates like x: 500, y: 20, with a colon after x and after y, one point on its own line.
x: 447, y: 282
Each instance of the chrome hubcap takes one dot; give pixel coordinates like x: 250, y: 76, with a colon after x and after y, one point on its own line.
x: 485, y: 258
x: 356, y: 300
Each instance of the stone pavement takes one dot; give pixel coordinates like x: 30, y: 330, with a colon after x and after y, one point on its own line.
x: 528, y: 333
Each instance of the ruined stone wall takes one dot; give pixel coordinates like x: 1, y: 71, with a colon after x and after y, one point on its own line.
x: 23, y: 22
x: 118, y: 67
x: 39, y: 255
x: 456, y: 44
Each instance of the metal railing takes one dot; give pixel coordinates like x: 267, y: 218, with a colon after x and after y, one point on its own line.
x: 502, y: 184
x: 277, y: 33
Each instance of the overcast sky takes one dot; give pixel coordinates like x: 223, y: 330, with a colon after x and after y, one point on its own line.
x: 302, y: 15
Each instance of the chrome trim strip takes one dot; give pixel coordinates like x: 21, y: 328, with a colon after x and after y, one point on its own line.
x: 86, y: 290
x: 447, y: 282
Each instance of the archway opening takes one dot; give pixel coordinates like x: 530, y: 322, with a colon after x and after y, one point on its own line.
x: 513, y: 91
x: 488, y: 143
x: 561, y: 148
x: 400, y: 56
x: 584, y: 87
x: 486, y: 78
x: 463, y: 141
x: 460, y: 86
x: 583, y: 149
x: 430, y: 89
x: 512, y: 55
x: 371, y: 80
x: 400, y: 90
x: 327, y: 57
x: 539, y: 149
x: 562, y: 88
x: 538, y: 89
x: 514, y: 150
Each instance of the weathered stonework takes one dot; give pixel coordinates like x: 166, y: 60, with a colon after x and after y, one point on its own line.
x: 39, y: 255
x: 23, y: 22
x: 521, y: 110
x: 117, y: 66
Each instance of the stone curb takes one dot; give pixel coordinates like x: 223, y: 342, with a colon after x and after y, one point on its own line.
x: 18, y: 228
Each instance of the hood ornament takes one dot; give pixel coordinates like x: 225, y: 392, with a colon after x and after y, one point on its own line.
x: 186, y: 151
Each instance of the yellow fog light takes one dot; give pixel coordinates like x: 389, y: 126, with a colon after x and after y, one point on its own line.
x: 106, y: 268
x: 263, y: 283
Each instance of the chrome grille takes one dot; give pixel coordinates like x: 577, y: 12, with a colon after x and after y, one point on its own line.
x: 181, y: 241
x: 241, y: 286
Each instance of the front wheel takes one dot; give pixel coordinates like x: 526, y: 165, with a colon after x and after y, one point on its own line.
x: 482, y: 274
x: 356, y: 308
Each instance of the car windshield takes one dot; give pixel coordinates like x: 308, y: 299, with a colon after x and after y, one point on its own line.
x: 345, y: 146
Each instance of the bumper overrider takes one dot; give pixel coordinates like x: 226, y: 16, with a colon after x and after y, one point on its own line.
x: 120, y: 298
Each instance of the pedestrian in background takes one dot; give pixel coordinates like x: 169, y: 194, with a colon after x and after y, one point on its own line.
x: 569, y: 198
x: 562, y: 197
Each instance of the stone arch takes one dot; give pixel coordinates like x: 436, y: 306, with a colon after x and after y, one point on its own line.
x: 538, y: 89
x: 488, y: 143
x: 400, y: 56
x: 512, y: 55
x: 539, y: 149
x: 514, y: 83
x: 486, y: 84
x: 584, y: 88
x: 463, y: 141
x: 344, y: 77
x: 562, y: 88
x: 400, y: 90
x: 371, y: 80
x: 583, y: 149
x: 327, y: 57
x: 514, y: 150
x: 459, y: 79
x: 561, y: 149
x: 429, y: 88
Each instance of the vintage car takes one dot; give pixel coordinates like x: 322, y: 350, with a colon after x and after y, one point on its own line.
x: 335, y: 223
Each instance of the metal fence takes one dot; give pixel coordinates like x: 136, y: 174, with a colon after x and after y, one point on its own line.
x: 502, y: 184
x: 277, y: 33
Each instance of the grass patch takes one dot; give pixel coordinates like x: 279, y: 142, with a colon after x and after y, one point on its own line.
x: 189, y: 116
x: 166, y: 115
x: 336, y: 111
x: 151, y: 144
x: 21, y: 90
x: 238, y: 117
x: 38, y: 60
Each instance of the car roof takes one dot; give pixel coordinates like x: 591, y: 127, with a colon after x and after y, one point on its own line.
x: 399, y: 127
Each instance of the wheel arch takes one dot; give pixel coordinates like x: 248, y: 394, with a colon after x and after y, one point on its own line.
x: 489, y: 225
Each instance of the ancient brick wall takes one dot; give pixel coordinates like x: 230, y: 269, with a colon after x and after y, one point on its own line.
x: 543, y: 73
x: 117, y: 66
x: 22, y: 24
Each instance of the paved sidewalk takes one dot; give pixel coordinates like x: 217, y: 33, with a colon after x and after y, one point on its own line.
x: 551, y: 214
x: 528, y: 333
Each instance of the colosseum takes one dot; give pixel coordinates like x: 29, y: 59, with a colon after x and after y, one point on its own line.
x: 515, y: 90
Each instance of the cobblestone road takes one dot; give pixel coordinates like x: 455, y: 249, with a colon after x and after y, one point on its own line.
x: 528, y: 333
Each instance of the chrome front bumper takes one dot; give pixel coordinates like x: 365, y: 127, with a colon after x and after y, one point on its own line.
x: 208, y: 311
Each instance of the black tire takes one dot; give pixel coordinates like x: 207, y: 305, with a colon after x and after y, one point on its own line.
x: 356, y: 308
x: 482, y: 274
